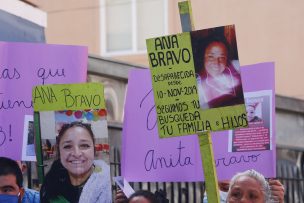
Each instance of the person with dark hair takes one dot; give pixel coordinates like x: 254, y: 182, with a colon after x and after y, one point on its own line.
x: 11, y: 182
x: 75, y: 176
x: 218, y: 79
x: 144, y: 196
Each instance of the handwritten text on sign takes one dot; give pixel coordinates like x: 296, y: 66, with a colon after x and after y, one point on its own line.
x: 22, y: 66
x: 178, y: 158
x: 176, y: 90
x: 174, y: 85
x: 68, y: 97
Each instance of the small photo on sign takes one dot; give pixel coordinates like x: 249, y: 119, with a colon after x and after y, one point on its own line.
x: 254, y: 111
x: 258, y: 135
x: 28, y: 148
x: 217, y: 67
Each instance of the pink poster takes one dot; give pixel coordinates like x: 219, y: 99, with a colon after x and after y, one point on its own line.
x: 146, y: 157
x: 258, y: 134
x: 22, y: 66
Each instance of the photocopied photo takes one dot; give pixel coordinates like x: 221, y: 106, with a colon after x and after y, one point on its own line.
x: 73, y: 145
x: 217, y: 67
x: 28, y: 147
x: 258, y: 135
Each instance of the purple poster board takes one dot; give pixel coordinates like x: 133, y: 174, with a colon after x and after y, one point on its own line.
x: 146, y: 157
x: 22, y: 66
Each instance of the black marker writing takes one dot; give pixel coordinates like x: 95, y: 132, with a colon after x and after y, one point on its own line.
x: 45, y: 94
x: 9, y: 74
x: 73, y: 100
x: 234, y: 121
x: 11, y: 104
x: 236, y: 160
x: 150, y: 125
x: 45, y: 74
x: 3, y: 134
x: 153, y: 162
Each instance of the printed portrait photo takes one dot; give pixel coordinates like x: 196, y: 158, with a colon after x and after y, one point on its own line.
x: 217, y: 67
x: 258, y: 135
x: 254, y: 111
x: 75, y: 152
x: 28, y: 147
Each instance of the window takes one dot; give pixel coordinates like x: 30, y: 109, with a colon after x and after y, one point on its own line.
x: 126, y: 24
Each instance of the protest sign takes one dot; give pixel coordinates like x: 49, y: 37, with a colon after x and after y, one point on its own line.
x: 23, y: 65
x: 146, y: 157
x: 196, y: 82
x: 71, y: 130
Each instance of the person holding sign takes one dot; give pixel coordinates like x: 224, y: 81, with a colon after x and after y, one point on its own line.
x: 218, y: 80
x: 276, y: 187
x: 251, y: 186
x: 75, y: 176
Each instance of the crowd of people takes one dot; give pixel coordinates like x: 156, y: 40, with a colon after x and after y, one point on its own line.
x: 248, y: 186
x: 76, y: 177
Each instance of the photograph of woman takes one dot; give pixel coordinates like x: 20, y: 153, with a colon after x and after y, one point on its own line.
x: 217, y: 67
x: 252, y: 114
x: 75, y: 176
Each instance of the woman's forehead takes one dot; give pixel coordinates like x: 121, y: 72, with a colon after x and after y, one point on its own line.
x: 216, y: 47
x: 77, y: 132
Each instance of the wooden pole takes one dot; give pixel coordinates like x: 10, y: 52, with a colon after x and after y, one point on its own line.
x: 205, y: 140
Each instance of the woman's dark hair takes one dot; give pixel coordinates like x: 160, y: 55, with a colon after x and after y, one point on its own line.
x: 55, y: 182
x: 146, y: 194
x: 67, y: 126
x: 200, y: 46
x: 158, y: 197
x: 10, y: 167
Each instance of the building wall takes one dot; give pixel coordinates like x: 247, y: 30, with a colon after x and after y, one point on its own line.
x: 290, y: 122
x: 266, y: 31
x: 72, y: 22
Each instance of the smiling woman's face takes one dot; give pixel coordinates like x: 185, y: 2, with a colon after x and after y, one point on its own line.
x: 215, y: 58
x: 77, y: 151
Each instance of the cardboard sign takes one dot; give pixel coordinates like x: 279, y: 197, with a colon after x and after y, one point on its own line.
x: 23, y: 65
x: 146, y: 157
x: 196, y: 82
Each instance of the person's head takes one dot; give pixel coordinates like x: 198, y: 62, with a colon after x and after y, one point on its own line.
x: 215, y: 55
x: 142, y: 196
x: 250, y: 109
x: 224, y: 185
x: 11, y: 178
x: 76, y: 148
x: 249, y: 186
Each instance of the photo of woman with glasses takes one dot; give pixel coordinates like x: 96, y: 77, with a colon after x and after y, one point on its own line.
x: 218, y: 77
